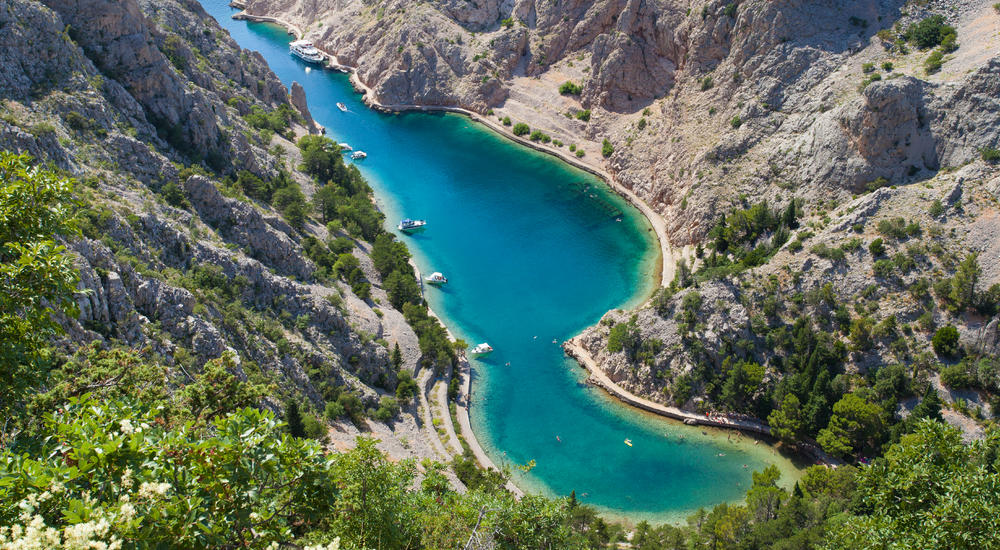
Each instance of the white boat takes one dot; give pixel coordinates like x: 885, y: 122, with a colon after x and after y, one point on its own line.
x: 341, y: 106
x: 481, y: 349
x: 358, y: 155
x: 345, y: 147
x: 436, y: 278
x: 408, y: 224
x: 304, y: 50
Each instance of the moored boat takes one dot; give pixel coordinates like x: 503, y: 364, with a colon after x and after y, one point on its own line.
x: 409, y: 225
x: 358, y: 155
x: 304, y: 50
x: 345, y: 147
x: 481, y: 349
x: 436, y: 278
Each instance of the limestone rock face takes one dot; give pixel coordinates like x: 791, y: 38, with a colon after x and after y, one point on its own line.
x: 137, y: 93
x: 266, y: 238
x: 298, y: 99
x: 968, y: 116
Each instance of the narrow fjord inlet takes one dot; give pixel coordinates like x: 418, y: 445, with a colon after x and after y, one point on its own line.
x: 534, y: 251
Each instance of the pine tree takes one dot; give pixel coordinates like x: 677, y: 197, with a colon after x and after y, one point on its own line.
x: 788, y: 218
x: 397, y: 357
x: 293, y: 418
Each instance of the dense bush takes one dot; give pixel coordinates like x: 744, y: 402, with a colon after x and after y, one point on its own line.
x: 570, y: 88
x: 521, y: 129
x: 930, y: 32
x: 945, y: 341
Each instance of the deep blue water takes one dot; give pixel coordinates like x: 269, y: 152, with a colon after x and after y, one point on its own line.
x: 533, y: 255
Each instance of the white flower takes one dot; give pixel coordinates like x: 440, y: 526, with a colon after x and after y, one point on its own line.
x: 127, y: 512
x: 126, y: 426
x: 127, y: 479
x: 153, y: 490
x: 58, y: 487
x: 335, y: 545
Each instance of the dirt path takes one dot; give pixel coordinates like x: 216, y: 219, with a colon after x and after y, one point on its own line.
x: 425, y: 416
x: 440, y: 395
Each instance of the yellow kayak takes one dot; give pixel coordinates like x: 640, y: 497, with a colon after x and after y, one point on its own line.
x: 628, y: 442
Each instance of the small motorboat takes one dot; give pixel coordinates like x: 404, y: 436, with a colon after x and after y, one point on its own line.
x: 628, y: 442
x: 344, y: 147
x: 409, y: 225
x: 341, y: 106
x: 436, y: 278
x: 304, y: 50
x: 481, y: 349
x: 359, y: 155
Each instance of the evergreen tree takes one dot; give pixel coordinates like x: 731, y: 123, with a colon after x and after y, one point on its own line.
x: 293, y: 418
x: 397, y: 357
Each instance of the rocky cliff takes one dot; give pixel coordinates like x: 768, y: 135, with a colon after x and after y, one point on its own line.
x: 167, y: 124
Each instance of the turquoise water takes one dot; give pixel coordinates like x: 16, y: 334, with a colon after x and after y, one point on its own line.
x: 533, y: 254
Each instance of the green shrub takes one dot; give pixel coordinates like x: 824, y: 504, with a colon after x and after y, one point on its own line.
x: 934, y: 61
x: 174, y: 196
x: 506, y: 121
x: 930, y: 32
x: 539, y: 135
x: 606, y: 148
x: 730, y: 10
x: 957, y: 376
x: 580, y: 153
x: 583, y: 115
x: 570, y: 88
x: 877, y: 247
x: 42, y: 129
x: 507, y: 23
x: 736, y: 122
x: 706, y: 83
x: 887, y: 66
x: 521, y: 129
x: 641, y: 125
x: 945, y: 341
x: 874, y: 77
x: 333, y: 410
x: 990, y: 154
x: 867, y: 67
x: 936, y: 209
x: 388, y: 408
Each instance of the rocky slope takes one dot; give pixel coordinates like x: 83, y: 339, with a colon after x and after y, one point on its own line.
x: 151, y: 106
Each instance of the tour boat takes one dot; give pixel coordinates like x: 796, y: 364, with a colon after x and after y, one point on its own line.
x: 304, y: 50
x: 482, y: 349
x: 341, y: 106
x: 345, y: 147
x: 358, y: 155
x: 408, y: 224
x: 628, y: 442
x: 436, y: 278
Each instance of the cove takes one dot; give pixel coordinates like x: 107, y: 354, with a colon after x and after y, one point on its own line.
x: 535, y: 250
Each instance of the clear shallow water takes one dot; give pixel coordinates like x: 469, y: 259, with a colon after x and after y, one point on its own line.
x: 534, y: 253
